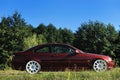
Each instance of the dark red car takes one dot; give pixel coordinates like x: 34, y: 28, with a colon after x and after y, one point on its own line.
x: 59, y: 57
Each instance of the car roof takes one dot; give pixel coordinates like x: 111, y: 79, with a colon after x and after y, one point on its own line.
x: 54, y: 44
x: 49, y: 44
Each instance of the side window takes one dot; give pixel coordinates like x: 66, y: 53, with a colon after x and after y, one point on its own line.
x: 44, y: 49
x: 72, y: 51
x: 62, y: 49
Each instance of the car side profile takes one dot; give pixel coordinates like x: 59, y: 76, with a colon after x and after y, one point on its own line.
x: 57, y: 56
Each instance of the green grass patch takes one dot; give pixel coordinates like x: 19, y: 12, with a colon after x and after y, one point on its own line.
x: 113, y: 74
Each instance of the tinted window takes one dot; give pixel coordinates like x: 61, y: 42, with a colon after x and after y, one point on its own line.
x: 44, y: 49
x: 62, y: 49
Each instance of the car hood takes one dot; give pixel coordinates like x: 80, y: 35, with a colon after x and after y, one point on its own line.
x: 95, y: 56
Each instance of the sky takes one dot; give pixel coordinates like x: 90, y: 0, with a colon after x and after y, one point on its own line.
x: 68, y: 14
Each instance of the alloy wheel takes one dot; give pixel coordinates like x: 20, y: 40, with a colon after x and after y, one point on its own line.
x: 33, y: 67
x: 100, y: 65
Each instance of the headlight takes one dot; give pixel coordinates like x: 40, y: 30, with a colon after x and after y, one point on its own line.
x: 109, y: 59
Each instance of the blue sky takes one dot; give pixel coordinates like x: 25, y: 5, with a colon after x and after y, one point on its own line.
x: 63, y: 13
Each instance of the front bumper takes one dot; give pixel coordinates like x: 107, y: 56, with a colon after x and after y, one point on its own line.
x: 111, y: 64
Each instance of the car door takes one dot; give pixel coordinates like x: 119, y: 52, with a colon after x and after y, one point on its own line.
x: 43, y: 53
x: 66, y: 57
x: 79, y: 60
x: 60, y: 56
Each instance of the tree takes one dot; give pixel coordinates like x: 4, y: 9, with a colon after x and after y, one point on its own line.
x: 41, y: 29
x: 13, y: 29
x: 96, y: 37
x: 33, y: 41
x: 88, y: 35
x: 54, y: 35
x: 5, y: 47
x: 118, y: 44
x: 67, y: 36
x: 19, y: 30
x: 51, y: 33
x: 112, y: 35
x: 117, y: 50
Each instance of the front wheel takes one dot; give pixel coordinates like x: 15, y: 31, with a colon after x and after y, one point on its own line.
x: 100, y: 65
x: 33, y: 67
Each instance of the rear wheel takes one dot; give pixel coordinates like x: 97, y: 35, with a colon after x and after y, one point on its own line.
x: 100, y: 65
x: 33, y: 67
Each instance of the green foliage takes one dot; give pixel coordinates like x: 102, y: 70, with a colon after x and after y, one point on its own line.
x: 51, y: 34
x: 67, y: 36
x: 5, y: 38
x: 54, y: 35
x: 90, y: 35
x: 16, y: 35
x: 13, y: 29
x: 67, y: 75
x: 41, y: 29
x: 117, y: 49
x: 33, y: 41
x: 96, y: 37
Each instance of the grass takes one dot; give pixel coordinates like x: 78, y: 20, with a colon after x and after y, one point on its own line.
x: 113, y: 74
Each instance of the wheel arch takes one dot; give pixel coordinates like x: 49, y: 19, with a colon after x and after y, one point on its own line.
x: 35, y: 59
x: 102, y: 60
x: 92, y: 61
x: 97, y: 59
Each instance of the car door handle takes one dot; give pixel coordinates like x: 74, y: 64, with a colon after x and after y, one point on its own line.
x: 53, y: 55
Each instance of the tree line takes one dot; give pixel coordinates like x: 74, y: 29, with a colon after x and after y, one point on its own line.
x: 92, y: 36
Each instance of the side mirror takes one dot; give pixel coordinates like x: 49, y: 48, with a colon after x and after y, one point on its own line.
x: 77, y: 51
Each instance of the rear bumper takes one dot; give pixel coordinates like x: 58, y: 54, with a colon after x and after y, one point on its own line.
x: 18, y: 64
